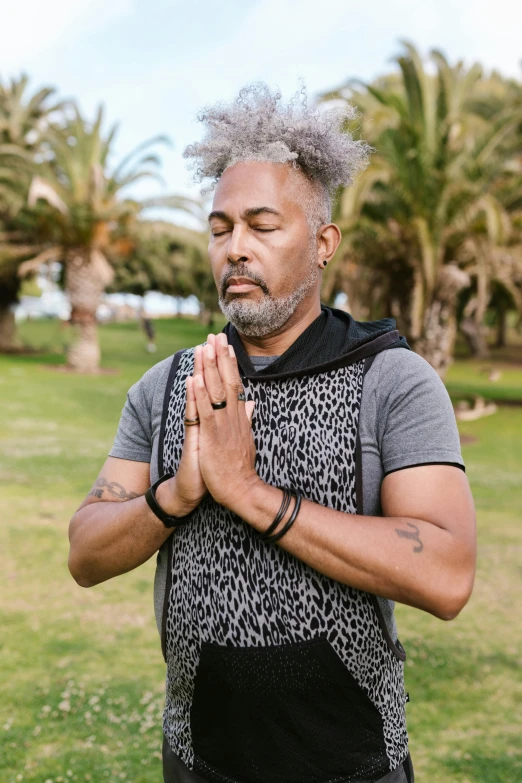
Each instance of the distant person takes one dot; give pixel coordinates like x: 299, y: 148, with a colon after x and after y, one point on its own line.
x: 306, y: 474
x: 148, y: 328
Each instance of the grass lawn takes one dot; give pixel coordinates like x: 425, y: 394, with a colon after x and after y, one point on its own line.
x: 82, y: 671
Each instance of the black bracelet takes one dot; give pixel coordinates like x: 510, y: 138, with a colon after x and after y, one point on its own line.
x: 287, y: 496
x: 168, y: 521
x: 295, y: 512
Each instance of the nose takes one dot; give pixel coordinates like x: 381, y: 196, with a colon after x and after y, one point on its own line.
x: 238, y: 250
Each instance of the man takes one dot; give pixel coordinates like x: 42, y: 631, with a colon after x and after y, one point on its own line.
x: 311, y: 476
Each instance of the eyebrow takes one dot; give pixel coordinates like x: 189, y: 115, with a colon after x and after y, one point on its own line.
x: 248, y: 213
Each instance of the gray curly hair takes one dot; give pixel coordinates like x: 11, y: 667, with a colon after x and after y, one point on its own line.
x: 258, y: 126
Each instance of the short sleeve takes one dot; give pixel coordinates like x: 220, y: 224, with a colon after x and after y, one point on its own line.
x: 133, y: 439
x: 417, y: 424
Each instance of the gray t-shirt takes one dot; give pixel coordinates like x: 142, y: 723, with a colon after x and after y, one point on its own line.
x: 406, y: 419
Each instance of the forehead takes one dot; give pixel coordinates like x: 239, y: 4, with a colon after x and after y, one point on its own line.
x: 248, y: 185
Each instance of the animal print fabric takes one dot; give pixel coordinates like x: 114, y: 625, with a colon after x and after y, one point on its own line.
x: 230, y: 588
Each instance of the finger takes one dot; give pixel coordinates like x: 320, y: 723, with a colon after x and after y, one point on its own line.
x: 229, y: 372
x: 220, y: 344
x: 233, y: 364
x: 198, y: 360
x: 191, y: 409
x: 204, y: 408
x: 213, y: 382
x: 221, y: 347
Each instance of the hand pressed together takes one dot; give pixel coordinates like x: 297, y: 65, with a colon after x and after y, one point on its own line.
x: 226, y: 447
x: 218, y: 453
x: 186, y: 489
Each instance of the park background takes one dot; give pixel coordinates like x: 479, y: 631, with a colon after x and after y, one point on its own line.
x: 433, y: 237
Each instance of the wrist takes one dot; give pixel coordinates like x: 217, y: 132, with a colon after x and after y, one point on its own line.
x: 171, y: 502
x: 254, y: 502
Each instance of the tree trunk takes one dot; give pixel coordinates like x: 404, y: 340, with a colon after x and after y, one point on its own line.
x: 438, y: 339
x: 476, y: 339
x: 206, y: 316
x: 472, y: 324
x: 9, y: 289
x: 8, y: 338
x: 87, y: 275
x: 84, y: 353
x: 501, y: 340
x: 439, y: 325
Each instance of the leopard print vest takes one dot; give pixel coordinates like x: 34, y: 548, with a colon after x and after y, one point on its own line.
x: 275, y: 672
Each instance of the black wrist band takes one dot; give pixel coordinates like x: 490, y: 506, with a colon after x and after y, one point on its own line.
x: 293, y: 517
x: 287, y: 496
x: 168, y: 521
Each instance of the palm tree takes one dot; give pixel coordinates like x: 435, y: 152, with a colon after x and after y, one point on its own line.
x: 425, y: 212
x: 500, y: 289
x: 24, y: 121
x: 84, y: 220
x: 172, y: 259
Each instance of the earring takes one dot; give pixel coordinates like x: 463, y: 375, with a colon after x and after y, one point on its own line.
x: 324, y: 263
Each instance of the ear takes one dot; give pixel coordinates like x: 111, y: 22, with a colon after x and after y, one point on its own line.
x: 328, y: 239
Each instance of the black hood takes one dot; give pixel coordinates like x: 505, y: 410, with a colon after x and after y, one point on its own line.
x: 335, y: 339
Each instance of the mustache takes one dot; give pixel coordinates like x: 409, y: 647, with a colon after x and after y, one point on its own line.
x: 242, y: 271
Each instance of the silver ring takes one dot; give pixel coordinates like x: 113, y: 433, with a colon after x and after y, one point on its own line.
x: 241, y: 397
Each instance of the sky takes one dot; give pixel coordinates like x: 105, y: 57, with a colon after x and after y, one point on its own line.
x: 154, y: 64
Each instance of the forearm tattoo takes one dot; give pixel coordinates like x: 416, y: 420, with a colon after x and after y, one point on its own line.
x: 413, y: 535
x: 113, y: 488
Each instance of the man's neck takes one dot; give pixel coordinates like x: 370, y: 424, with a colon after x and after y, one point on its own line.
x: 278, y: 342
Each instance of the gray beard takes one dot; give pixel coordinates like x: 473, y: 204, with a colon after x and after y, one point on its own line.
x: 257, y: 319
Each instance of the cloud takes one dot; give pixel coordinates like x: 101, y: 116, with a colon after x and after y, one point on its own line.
x: 156, y: 62
x: 32, y: 28
x: 326, y: 43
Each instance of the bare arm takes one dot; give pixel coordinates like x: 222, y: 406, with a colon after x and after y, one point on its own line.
x: 421, y: 553
x: 114, y: 529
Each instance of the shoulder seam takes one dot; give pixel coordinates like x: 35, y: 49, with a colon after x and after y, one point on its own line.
x: 380, y: 368
x: 379, y: 431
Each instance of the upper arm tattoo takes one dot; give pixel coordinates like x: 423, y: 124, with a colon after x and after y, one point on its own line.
x: 113, y: 488
x: 413, y: 534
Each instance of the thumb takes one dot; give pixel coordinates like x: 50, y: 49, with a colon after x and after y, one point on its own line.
x: 249, y: 409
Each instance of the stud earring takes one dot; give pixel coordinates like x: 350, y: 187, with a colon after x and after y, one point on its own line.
x: 324, y: 263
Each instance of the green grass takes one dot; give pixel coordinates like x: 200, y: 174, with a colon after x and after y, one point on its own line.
x: 464, y: 677
x: 82, y: 672
x: 466, y: 378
